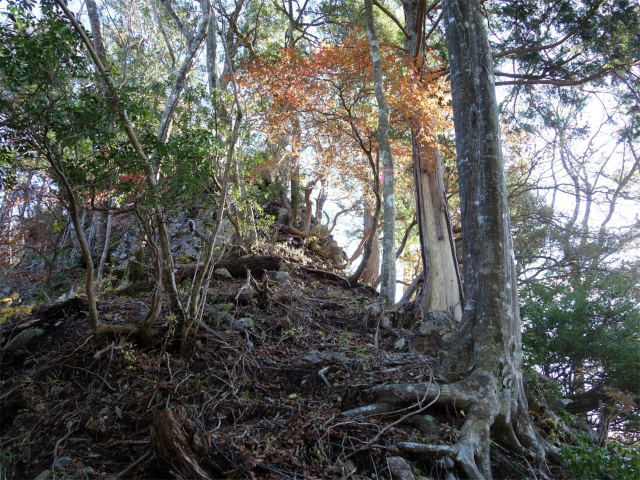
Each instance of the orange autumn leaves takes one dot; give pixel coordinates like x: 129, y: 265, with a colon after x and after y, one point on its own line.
x: 323, y: 103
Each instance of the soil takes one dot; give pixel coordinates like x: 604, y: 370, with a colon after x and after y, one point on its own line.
x: 265, y: 400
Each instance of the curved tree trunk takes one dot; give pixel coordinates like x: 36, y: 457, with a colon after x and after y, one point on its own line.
x: 371, y: 239
x: 372, y: 269
x: 483, y: 368
x: 105, y: 243
x: 442, y: 285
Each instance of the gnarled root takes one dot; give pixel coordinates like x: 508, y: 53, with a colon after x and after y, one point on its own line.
x: 491, y: 412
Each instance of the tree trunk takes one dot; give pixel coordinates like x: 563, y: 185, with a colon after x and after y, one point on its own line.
x: 308, y: 209
x: 320, y: 200
x: 98, y: 42
x: 371, y: 239
x: 105, y: 246
x: 294, y: 166
x: 442, y: 286
x: 483, y: 368
x: 372, y: 269
x: 388, y: 281
x: 198, y: 289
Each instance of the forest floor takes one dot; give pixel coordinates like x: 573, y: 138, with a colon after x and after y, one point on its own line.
x: 263, y: 390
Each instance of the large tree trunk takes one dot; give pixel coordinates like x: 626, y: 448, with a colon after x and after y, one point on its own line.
x: 442, y: 286
x: 483, y: 369
x: 388, y: 275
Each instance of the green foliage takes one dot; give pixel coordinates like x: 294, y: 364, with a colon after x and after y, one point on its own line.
x: 609, y: 39
x: 54, y: 116
x: 616, y: 461
x: 587, y: 330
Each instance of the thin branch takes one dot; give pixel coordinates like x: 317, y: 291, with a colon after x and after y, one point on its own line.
x: 174, y: 15
x: 392, y: 17
x: 590, y: 14
x: 403, y: 244
x: 559, y: 83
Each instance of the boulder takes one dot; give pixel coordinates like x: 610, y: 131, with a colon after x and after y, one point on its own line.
x: 222, y: 273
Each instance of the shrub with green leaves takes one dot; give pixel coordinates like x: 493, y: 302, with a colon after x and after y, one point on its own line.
x: 616, y: 461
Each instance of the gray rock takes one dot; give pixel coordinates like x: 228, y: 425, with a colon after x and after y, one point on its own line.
x: 223, y: 273
x: 44, y: 475
x: 87, y: 471
x: 545, y: 380
x: 583, y: 427
x: 281, y: 277
x: 23, y: 338
x: 431, y: 427
x: 400, y: 469
x: 435, y: 332
x: 246, y: 321
x: 64, y: 462
x: 312, y: 357
x: 437, y: 321
x: 559, y: 403
x: 446, y: 463
x: 399, y: 345
x: 374, y: 307
x: 333, y: 356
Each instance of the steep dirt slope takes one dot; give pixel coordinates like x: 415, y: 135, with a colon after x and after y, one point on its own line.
x: 261, y: 395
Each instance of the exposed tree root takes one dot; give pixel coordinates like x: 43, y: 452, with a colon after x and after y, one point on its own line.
x: 492, y: 412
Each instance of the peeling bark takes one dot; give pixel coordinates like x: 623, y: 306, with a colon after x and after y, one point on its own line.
x: 442, y: 286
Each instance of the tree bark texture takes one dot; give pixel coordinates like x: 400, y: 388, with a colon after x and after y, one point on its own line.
x: 483, y: 368
x: 237, y: 267
x: 181, y: 447
x: 98, y: 42
x: 105, y: 245
x: 388, y: 281
x: 442, y: 286
x: 372, y: 270
x: 486, y: 354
